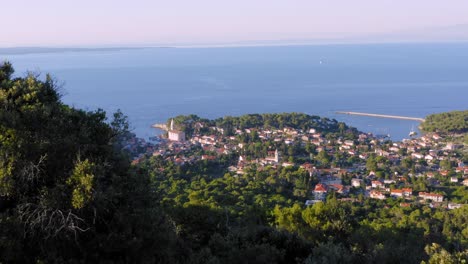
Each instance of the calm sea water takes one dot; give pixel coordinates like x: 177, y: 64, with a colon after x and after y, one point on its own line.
x: 151, y: 85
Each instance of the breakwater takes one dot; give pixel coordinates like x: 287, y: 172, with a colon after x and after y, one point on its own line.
x: 382, y: 116
x: 160, y: 126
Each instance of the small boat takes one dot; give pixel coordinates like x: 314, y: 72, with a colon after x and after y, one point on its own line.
x: 412, y: 133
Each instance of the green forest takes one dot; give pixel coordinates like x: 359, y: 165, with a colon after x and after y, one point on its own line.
x: 449, y: 122
x: 69, y: 194
x: 302, y: 121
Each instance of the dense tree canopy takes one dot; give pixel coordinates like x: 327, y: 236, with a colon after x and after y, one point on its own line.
x: 267, y: 121
x: 65, y: 188
x: 449, y: 122
x: 204, y: 204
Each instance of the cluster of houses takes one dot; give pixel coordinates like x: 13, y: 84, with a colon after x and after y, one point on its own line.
x: 426, y: 152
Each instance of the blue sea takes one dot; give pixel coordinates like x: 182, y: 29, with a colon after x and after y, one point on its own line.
x: 151, y: 85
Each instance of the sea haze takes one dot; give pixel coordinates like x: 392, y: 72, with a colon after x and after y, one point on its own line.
x: 153, y: 84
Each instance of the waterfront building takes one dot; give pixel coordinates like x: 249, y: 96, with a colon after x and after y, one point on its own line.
x: 175, y: 135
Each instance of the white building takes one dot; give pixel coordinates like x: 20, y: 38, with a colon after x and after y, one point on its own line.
x: 275, y: 159
x: 356, y: 183
x: 431, y: 196
x: 377, y: 195
x: 175, y: 135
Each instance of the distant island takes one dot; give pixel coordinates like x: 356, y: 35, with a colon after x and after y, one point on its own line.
x: 30, y: 50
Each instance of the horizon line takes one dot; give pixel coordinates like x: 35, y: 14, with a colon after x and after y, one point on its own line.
x: 90, y: 47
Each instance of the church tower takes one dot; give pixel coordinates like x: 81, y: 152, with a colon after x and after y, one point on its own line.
x: 175, y: 135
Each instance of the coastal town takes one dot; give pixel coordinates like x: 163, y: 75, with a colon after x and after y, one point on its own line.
x: 415, y: 170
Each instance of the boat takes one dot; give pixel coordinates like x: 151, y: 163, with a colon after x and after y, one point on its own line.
x: 412, y: 133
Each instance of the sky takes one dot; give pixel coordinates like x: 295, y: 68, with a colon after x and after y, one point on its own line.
x: 65, y: 23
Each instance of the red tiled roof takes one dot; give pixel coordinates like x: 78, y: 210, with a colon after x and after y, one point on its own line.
x: 320, y: 188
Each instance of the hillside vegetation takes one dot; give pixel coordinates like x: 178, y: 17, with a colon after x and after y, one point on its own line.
x: 69, y: 194
x: 449, y: 122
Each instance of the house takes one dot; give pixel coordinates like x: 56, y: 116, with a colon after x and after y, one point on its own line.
x: 451, y: 146
x: 356, y: 183
x: 320, y: 188
x: 316, y: 142
x: 452, y: 206
x: 320, y: 191
x: 274, y: 158
x: 382, y: 152
x: 431, y: 196
x: 362, y: 137
x: 454, y: 179
x: 208, y: 157
x: 429, y: 158
x: 287, y: 164
x: 377, y: 195
x: 422, y: 144
x: 465, y: 182
x: 404, y: 192
x: 464, y: 170
x: 363, y: 156
x: 179, y: 161
x: 377, y: 184
x: 345, y: 147
x: 339, y: 188
x: 394, y: 149
x: 396, y: 193
x: 316, y: 135
x: 308, y: 167
x: 407, y: 192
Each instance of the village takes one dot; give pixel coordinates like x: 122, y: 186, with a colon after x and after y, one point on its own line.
x: 372, y: 166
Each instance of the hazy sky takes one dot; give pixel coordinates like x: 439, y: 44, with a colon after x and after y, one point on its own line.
x: 154, y: 22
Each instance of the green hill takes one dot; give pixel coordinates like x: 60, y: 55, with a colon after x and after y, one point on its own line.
x: 449, y: 122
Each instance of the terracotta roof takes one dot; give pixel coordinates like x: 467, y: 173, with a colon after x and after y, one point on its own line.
x: 320, y: 188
